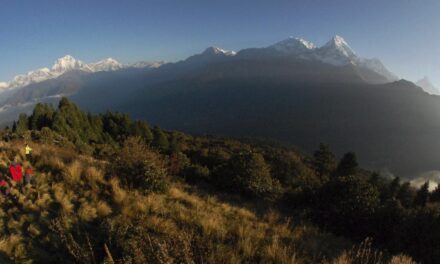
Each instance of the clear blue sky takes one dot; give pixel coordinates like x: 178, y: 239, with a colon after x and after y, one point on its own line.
x: 404, y: 34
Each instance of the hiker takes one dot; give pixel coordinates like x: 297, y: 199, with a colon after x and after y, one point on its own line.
x: 29, y: 176
x: 28, y: 152
x: 4, y: 189
x: 16, y: 172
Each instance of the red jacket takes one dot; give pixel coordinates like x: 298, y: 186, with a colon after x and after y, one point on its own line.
x: 16, y: 173
x: 29, y: 172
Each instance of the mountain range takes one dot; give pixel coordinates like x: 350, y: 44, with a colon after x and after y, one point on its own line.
x: 68, y: 64
x: 291, y: 92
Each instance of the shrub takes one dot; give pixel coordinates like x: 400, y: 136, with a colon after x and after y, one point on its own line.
x: 195, y: 173
x: 139, y: 167
x: 347, y: 204
x: 46, y: 135
x: 250, y: 173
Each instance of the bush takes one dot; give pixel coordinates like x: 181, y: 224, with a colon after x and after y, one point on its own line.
x: 347, y: 204
x: 195, y: 173
x: 139, y: 167
x: 250, y: 173
x: 46, y: 135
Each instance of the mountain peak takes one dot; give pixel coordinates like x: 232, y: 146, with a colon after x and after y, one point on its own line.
x: 338, y: 41
x: 108, y: 64
x: 216, y: 51
x: 67, y: 63
x: 293, y: 45
x: 67, y: 57
x: 147, y: 64
x: 110, y: 59
x: 337, y: 52
x: 427, y: 86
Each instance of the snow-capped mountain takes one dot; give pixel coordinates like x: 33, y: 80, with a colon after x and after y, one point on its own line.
x: 67, y: 64
x: 218, y: 51
x: 108, y: 64
x: 147, y: 64
x: 377, y: 66
x: 427, y: 86
x: 294, y: 46
x: 335, y: 52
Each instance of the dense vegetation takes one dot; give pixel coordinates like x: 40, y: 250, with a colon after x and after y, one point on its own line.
x: 139, y: 194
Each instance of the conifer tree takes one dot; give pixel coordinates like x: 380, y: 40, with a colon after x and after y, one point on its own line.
x: 22, y: 124
x: 348, y: 165
x: 323, y: 160
x: 393, y: 188
x: 405, y: 195
x: 422, y: 195
x: 160, y: 140
x: 14, y: 126
x: 435, y: 195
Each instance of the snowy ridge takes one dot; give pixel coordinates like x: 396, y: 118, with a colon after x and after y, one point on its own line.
x: 218, y: 51
x: 108, y: 64
x: 147, y: 64
x: 377, y: 66
x: 66, y: 64
x: 427, y: 86
x: 293, y: 46
x: 335, y: 52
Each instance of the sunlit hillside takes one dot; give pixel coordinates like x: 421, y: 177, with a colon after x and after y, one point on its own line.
x: 77, y: 214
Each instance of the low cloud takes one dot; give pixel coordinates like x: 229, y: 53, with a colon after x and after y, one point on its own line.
x: 432, y: 176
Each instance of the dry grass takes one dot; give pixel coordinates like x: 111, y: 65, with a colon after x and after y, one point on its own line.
x: 402, y: 259
x: 72, y: 172
x: 175, y: 227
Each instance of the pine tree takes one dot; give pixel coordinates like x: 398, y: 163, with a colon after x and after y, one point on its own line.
x: 141, y: 129
x: 435, y: 195
x: 323, y: 160
x: 42, y: 116
x: 348, y: 165
x: 406, y: 195
x: 22, y: 124
x: 14, y: 127
x: 160, y: 140
x: 422, y: 195
x: 249, y: 172
x: 393, y: 188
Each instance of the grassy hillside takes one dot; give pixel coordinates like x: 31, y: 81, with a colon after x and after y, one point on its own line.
x: 110, y: 189
x: 75, y: 214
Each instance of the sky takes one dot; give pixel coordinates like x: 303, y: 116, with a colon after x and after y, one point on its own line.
x: 404, y: 34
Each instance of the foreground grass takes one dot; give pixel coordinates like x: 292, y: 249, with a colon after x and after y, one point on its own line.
x: 77, y: 214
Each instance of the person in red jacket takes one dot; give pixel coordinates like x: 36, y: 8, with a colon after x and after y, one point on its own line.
x: 29, y: 176
x: 4, y: 189
x: 16, y: 172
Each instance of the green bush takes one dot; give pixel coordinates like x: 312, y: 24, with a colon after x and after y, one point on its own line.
x: 195, y: 173
x: 139, y: 167
x: 250, y: 173
x: 347, y: 204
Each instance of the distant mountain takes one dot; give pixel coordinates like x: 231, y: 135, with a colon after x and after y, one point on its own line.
x: 292, y: 91
x: 336, y: 52
x: 108, y: 64
x: 427, y: 86
x: 68, y: 64
x: 147, y: 64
